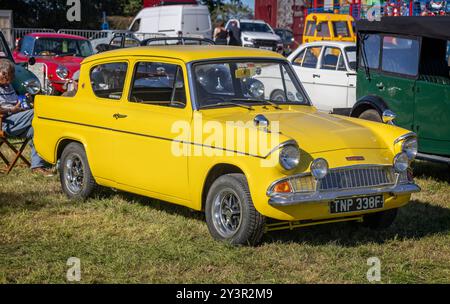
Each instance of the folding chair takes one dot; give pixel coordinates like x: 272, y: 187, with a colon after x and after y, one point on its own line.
x: 17, y: 152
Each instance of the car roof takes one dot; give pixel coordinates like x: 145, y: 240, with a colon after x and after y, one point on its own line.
x: 56, y: 35
x: 187, y: 53
x: 427, y: 26
x: 251, y: 21
x: 329, y: 43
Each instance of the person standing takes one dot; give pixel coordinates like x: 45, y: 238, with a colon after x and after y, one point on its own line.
x: 235, y: 34
x: 220, y: 34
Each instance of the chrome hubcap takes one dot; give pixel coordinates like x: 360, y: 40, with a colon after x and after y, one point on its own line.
x: 226, y: 212
x: 74, y: 173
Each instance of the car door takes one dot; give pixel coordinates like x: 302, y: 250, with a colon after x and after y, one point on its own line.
x: 349, y: 54
x: 399, y: 70
x: 432, y: 99
x: 107, y: 79
x: 305, y: 66
x: 331, y: 82
x: 145, y: 153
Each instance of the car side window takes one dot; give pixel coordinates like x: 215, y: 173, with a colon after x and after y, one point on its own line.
x: 159, y: 84
x: 135, y: 26
x: 370, y: 51
x: 27, y: 45
x: 116, y: 41
x: 400, y: 55
x: 330, y: 58
x: 108, y: 79
x: 311, y: 57
x: 299, y: 58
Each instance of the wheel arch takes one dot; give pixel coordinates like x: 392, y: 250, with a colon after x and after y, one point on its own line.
x: 62, y: 143
x: 369, y: 102
x: 215, y: 172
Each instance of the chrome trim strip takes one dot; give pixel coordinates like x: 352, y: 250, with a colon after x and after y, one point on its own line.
x: 291, y: 199
x: 283, y: 144
x: 405, y: 136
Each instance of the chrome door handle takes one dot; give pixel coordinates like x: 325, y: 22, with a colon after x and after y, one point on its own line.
x: 316, y: 75
x: 118, y: 115
x: 380, y: 86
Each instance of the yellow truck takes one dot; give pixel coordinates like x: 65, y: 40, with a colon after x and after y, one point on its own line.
x: 323, y: 26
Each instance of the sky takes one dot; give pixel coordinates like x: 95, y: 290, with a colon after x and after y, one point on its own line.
x: 250, y: 3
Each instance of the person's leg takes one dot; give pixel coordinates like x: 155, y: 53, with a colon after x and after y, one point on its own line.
x: 19, y: 125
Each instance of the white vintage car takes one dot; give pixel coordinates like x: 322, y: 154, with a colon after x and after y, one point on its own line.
x: 327, y: 71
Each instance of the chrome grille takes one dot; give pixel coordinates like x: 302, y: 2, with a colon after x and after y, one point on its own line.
x: 354, y: 177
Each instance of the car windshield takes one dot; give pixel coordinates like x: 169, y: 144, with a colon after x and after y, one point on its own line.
x: 62, y: 47
x: 246, y: 82
x: 350, y: 52
x: 255, y: 27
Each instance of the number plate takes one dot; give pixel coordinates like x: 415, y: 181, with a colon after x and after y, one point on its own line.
x: 351, y: 204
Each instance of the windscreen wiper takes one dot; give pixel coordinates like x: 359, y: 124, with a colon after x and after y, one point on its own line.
x: 228, y: 103
x: 259, y: 100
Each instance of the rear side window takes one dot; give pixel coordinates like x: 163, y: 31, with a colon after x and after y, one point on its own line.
x: 330, y: 58
x: 108, y: 79
x: 370, y: 51
x: 400, y: 55
x: 159, y: 84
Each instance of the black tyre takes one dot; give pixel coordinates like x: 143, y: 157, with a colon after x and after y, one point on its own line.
x: 76, y: 178
x: 230, y: 213
x: 380, y: 220
x: 371, y: 114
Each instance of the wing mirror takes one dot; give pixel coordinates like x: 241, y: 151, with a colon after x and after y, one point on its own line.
x: 388, y: 116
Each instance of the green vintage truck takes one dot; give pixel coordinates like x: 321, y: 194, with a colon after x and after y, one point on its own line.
x: 403, y: 73
x: 24, y: 80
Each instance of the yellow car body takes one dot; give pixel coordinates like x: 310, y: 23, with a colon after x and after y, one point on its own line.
x: 133, y: 151
x: 331, y: 27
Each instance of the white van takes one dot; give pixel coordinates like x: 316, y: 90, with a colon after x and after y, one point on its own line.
x: 190, y: 20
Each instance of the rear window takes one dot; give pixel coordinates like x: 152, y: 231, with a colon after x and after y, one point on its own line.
x: 323, y: 30
x: 108, y: 79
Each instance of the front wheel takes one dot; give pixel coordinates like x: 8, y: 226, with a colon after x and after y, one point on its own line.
x: 371, y: 115
x: 230, y: 213
x: 76, y: 178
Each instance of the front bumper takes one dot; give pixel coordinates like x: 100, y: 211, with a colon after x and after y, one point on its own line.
x: 289, y: 199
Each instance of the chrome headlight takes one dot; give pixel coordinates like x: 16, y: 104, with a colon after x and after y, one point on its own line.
x: 248, y: 39
x: 409, y: 146
x: 33, y: 86
x: 401, y: 162
x: 62, y: 72
x: 289, y: 157
x: 319, y: 168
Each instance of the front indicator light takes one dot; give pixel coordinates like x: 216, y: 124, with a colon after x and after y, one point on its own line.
x: 283, y: 187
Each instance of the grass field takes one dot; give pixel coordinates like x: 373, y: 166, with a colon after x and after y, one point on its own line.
x: 125, y: 238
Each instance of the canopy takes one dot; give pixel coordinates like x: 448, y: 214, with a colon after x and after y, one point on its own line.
x: 425, y: 26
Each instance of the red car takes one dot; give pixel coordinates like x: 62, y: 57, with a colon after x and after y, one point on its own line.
x: 61, y: 53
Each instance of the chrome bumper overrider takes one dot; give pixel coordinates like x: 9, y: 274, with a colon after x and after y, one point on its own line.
x: 289, y: 199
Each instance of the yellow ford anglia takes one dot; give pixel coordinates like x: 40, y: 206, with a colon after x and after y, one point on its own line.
x: 226, y: 130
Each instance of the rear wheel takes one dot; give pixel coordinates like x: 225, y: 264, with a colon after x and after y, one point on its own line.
x: 230, y: 213
x: 371, y: 114
x: 76, y: 178
x: 380, y: 220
